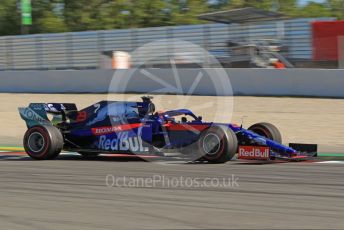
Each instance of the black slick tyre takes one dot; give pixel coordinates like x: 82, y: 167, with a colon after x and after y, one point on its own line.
x: 217, y: 144
x: 43, y: 142
x: 267, y: 130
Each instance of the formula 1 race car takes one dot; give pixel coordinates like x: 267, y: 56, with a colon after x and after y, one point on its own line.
x: 135, y: 127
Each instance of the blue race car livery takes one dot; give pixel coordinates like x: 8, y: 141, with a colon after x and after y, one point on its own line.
x: 135, y: 128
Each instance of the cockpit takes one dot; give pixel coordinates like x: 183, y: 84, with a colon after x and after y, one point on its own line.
x: 180, y: 116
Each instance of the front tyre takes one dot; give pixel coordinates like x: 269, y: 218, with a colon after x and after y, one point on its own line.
x: 43, y: 142
x: 218, y: 144
x: 267, y: 130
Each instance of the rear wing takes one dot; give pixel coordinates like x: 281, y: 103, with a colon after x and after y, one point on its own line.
x: 37, y: 113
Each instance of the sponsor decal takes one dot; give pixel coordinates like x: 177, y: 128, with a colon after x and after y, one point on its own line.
x: 122, y: 143
x: 54, y: 107
x: 29, y: 114
x: 113, y: 129
x: 254, y: 153
x: 37, y: 106
x: 50, y: 107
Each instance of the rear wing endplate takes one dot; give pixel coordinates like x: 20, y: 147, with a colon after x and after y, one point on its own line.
x: 37, y: 113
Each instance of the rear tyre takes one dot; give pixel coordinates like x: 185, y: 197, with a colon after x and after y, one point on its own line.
x: 218, y: 144
x: 267, y: 130
x: 43, y: 142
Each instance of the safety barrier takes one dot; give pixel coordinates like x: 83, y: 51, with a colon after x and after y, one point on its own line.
x: 271, y: 82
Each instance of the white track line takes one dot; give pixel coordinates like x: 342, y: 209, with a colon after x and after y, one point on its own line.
x: 330, y: 162
x: 64, y: 153
x: 70, y: 154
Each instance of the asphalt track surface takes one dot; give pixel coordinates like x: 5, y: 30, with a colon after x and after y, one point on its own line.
x: 71, y: 193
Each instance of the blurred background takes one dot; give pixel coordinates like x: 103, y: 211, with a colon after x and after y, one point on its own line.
x: 93, y: 34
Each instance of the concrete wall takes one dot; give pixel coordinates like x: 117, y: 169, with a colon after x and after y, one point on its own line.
x: 289, y: 82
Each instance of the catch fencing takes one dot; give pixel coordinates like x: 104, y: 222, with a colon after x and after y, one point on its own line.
x: 81, y: 50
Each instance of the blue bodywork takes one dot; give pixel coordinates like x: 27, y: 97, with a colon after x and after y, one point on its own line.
x: 112, y: 126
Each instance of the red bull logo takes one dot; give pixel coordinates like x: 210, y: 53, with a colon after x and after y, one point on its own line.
x: 122, y: 143
x: 254, y: 153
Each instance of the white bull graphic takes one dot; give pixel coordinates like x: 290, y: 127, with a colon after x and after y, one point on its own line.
x: 116, y: 111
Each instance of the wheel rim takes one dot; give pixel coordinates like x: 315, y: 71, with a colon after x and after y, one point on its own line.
x: 211, y: 144
x: 36, y: 142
